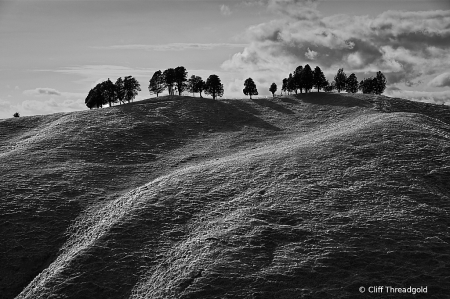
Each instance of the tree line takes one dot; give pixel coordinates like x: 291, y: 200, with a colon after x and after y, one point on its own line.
x: 106, y: 92
x: 303, y: 79
x: 177, y: 79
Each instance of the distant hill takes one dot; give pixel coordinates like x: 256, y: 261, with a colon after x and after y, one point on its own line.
x: 305, y: 196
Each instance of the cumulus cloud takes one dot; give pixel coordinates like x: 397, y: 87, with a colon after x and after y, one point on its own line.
x: 225, y: 10
x: 42, y: 91
x: 405, y: 46
x: 433, y: 97
x: 442, y: 80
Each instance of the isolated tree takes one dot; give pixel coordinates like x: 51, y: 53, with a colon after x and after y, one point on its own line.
x: 131, y: 87
x: 120, y: 91
x: 169, y: 80
x: 284, y: 87
x: 108, y: 90
x: 214, y: 86
x: 250, y: 88
x: 352, y: 84
x: 196, y: 84
x: 298, y: 79
x: 319, y: 80
x: 340, y: 80
x: 307, y: 78
x: 180, y: 79
x: 380, y: 83
x: 291, y: 84
x: 273, y: 89
x: 16, y: 114
x: 157, y: 84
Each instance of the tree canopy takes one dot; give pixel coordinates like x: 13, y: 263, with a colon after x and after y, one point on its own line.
x: 157, y: 83
x: 250, y: 88
x: 214, y: 86
x: 131, y: 87
x: 196, y: 84
x: 180, y: 79
x: 169, y: 80
x: 273, y: 89
x: 340, y: 80
x: 319, y: 80
x: 307, y: 78
x: 352, y: 84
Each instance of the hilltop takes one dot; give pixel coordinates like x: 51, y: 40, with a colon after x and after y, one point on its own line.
x: 305, y: 196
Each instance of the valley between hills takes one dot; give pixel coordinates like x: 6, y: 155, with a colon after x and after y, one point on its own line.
x: 302, y: 196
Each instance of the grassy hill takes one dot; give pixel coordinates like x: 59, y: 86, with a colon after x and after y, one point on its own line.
x: 306, y: 196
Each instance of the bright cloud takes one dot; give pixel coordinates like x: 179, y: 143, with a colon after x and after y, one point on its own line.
x: 405, y: 46
x: 441, y: 81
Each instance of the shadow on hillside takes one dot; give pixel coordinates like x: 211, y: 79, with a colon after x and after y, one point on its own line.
x: 288, y: 100
x: 272, y: 105
x: 332, y: 99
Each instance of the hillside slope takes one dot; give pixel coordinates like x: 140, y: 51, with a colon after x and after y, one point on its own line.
x: 308, y: 196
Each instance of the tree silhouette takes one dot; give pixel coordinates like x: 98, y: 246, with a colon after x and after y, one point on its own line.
x: 214, y: 86
x: 380, y: 84
x: 169, y: 79
x: 307, y: 78
x: 120, y: 91
x: 291, y: 86
x: 285, y: 85
x: 340, y: 80
x: 298, y: 79
x: 329, y: 87
x: 273, y: 89
x: 250, y: 88
x: 180, y: 79
x: 95, y: 97
x: 157, y: 84
x: 196, y: 84
x: 16, y: 114
x: 131, y: 87
x: 108, y: 90
x: 367, y: 85
x: 319, y: 80
x: 352, y: 84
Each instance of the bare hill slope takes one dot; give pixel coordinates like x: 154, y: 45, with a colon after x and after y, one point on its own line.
x: 308, y: 196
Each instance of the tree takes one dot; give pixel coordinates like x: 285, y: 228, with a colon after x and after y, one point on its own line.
x: 273, y: 89
x: 319, y: 80
x: 285, y: 85
x: 16, y: 114
x: 120, y: 91
x: 307, y: 78
x: 108, y: 90
x: 250, y: 88
x: 367, y: 85
x: 157, y: 84
x: 380, y: 83
x: 352, y: 84
x: 95, y: 97
x: 291, y: 86
x: 340, y: 80
x: 131, y: 87
x: 298, y: 79
x: 196, y: 84
x: 180, y: 79
x: 214, y: 86
x: 329, y: 87
x: 169, y: 80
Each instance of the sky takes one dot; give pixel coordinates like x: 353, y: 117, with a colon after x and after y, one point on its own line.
x: 52, y: 52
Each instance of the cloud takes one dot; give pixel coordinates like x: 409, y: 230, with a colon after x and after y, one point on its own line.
x: 434, y: 97
x: 173, y: 46
x: 42, y: 91
x: 405, y: 46
x: 442, y: 80
x: 225, y: 10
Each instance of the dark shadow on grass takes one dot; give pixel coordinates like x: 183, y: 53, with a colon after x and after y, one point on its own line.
x: 333, y: 99
x: 272, y: 105
x: 289, y: 100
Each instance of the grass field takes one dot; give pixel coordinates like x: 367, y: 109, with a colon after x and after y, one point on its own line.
x: 305, y: 196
